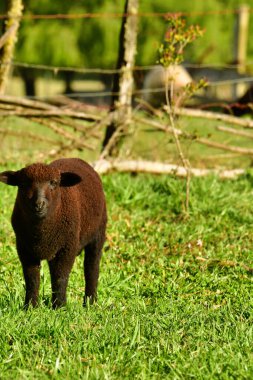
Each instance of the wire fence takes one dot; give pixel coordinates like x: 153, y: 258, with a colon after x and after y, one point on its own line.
x: 247, y: 80
x: 212, y: 83
x: 120, y: 15
x: 69, y: 124
x: 97, y: 70
x: 84, y: 70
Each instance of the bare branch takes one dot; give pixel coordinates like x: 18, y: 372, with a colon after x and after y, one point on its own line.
x: 106, y: 166
x: 60, y: 131
x: 246, y: 123
x: 24, y: 102
x: 235, y: 132
x: 51, y: 113
x: 200, y: 140
x: 29, y: 135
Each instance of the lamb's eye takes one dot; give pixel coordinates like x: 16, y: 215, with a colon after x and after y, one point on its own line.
x: 24, y: 185
x: 53, y: 184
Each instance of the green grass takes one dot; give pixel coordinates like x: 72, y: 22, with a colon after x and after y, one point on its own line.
x: 175, y: 294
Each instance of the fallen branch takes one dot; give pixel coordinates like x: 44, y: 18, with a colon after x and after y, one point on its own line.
x: 246, y: 123
x: 111, y: 142
x: 60, y: 131
x: 27, y: 103
x: 57, y: 152
x: 200, y: 140
x: 229, y: 148
x: 106, y: 166
x: 157, y: 125
x: 63, y: 101
x: 29, y: 135
x: 75, y: 126
x: 103, y: 123
x: 67, y: 121
x: 50, y: 113
x: 7, y: 107
x: 235, y: 132
x: 147, y: 106
x: 34, y: 108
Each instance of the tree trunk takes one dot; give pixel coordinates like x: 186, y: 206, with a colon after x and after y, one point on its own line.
x: 123, y: 81
x: 68, y: 78
x: 29, y: 79
x: 14, y: 14
x: 29, y: 86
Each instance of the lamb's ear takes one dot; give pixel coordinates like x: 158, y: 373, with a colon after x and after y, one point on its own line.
x: 69, y: 179
x: 10, y: 178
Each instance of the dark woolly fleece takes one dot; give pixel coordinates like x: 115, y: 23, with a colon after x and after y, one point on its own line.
x: 60, y: 210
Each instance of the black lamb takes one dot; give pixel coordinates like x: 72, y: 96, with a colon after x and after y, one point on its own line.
x: 60, y: 210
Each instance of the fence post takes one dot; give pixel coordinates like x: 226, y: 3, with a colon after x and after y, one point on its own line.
x: 123, y: 81
x: 241, y: 41
x: 8, y: 40
x: 241, y: 36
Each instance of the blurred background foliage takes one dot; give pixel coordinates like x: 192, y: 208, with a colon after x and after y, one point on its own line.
x: 93, y: 42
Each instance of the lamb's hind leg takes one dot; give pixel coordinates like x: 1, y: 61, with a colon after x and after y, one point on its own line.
x: 93, y: 253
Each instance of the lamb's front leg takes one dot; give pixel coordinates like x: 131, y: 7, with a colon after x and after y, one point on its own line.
x: 60, y: 268
x: 31, y: 271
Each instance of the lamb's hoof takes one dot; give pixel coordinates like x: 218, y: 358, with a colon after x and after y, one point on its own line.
x: 89, y: 300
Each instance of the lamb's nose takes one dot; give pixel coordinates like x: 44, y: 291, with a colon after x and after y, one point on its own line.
x: 39, y: 205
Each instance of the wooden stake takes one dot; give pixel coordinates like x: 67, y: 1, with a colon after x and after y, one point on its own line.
x: 9, y: 39
x: 123, y: 81
x: 241, y: 37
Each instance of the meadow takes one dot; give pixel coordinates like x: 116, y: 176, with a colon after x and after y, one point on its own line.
x: 175, y: 289
x: 175, y: 293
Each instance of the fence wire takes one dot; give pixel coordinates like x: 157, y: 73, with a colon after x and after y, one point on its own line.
x: 109, y: 16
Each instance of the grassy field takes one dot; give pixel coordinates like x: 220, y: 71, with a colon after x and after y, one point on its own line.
x: 175, y: 293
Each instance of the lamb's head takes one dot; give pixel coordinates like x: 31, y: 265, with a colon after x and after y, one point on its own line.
x: 39, y: 187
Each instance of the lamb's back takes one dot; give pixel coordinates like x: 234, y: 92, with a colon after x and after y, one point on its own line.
x: 85, y: 200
